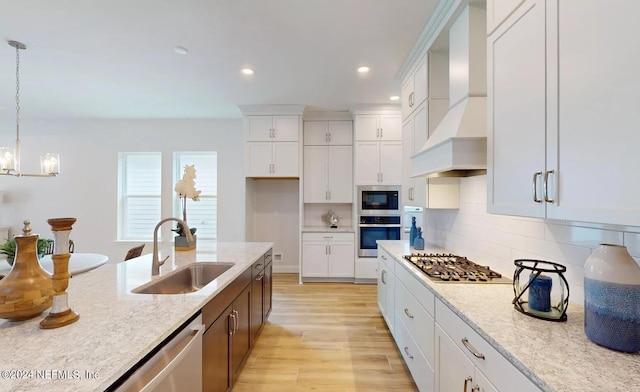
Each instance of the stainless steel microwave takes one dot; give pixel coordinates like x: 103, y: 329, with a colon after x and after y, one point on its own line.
x: 378, y: 200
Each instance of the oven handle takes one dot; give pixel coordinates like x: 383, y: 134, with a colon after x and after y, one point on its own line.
x: 374, y: 225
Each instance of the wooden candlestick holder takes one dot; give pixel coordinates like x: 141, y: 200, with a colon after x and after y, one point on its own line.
x: 61, y: 314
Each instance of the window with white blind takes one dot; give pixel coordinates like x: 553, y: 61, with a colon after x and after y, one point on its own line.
x: 201, y: 214
x: 140, y: 194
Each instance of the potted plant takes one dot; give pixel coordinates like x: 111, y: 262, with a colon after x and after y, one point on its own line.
x: 9, y: 248
x: 186, y: 189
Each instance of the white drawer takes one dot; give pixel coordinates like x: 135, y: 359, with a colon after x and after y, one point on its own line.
x: 496, y: 367
x: 424, y: 296
x: 387, y: 259
x: 327, y: 237
x: 421, y: 371
x: 417, y: 321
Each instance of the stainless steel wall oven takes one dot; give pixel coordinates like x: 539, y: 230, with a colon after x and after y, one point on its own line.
x: 379, y: 217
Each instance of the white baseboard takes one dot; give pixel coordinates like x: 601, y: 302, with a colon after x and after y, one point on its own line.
x: 285, y: 269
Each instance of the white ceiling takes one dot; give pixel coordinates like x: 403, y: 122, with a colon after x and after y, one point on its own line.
x: 115, y: 58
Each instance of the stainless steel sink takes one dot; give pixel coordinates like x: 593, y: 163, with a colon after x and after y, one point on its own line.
x: 188, y: 279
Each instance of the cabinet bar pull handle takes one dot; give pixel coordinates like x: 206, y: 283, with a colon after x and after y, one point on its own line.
x: 545, y: 186
x: 466, y: 381
x: 326, y: 137
x: 406, y: 311
x: 382, y: 276
x: 383, y: 257
x: 328, y: 237
x: 406, y: 351
x: 476, y: 388
x: 326, y: 249
x: 473, y: 350
x: 329, y: 137
x: 259, y: 277
x: 329, y: 195
x: 235, y: 319
x: 259, y: 265
x: 329, y: 248
x: 274, y: 133
x: 231, y: 323
x: 381, y: 133
x: 535, y: 187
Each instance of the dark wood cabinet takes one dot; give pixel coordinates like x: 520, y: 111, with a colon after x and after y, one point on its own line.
x: 232, y: 320
x: 267, y: 290
x: 240, y: 337
x: 215, y: 354
x: 257, y: 295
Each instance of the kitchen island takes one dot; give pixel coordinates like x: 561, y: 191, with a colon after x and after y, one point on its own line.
x: 116, y: 328
x: 554, y: 356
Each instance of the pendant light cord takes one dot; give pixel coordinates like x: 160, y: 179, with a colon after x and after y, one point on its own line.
x: 17, y: 92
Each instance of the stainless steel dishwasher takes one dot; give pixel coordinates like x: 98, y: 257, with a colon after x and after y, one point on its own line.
x: 177, y: 366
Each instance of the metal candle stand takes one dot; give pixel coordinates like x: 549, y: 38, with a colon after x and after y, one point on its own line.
x: 538, y: 287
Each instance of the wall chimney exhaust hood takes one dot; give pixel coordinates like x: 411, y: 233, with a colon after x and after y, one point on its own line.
x: 458, y: 145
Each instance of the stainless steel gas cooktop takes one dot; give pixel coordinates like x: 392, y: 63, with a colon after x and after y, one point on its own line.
x: 456, y: 269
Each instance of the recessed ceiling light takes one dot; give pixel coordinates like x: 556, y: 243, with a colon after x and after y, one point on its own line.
x: 363, y: 69
x: 180, y: 50
x: 247, y: 71
x: 394, y: 98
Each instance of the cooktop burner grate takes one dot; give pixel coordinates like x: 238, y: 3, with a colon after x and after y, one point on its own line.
x: 441, y: 267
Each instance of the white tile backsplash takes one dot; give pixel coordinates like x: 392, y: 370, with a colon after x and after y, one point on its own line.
x: 497, y: 240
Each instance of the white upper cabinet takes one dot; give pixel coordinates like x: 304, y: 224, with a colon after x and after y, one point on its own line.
x: 378, y: 127
x: 378, y: 149
x: 271, y: 146
x: 516, y: 89
x: 563, y: 133
x: 414, y: 131
x: 328, y: 162
x: 272, y: 128
x: 414, y: 89
x: 320, y: 133
x: 328, y: 174
x: 498, y: 11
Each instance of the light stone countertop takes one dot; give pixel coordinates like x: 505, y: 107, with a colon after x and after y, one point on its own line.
x: 556, y: 356
x: 116, y: 328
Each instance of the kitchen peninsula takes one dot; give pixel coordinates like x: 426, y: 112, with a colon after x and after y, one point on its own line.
x: 116, y: 328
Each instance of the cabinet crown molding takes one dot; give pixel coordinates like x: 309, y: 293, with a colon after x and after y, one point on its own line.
x: 374, y: 109
x: 270, y: 110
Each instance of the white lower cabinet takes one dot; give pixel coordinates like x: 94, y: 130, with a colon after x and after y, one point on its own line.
x: 414, y: 326
x: 386, y: 283
x: 489, y: 370
x: 328, y: 255
x: 455, y: 371
x: 443, y: 353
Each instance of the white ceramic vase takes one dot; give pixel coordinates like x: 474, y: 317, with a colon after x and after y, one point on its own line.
x: 612, y: 298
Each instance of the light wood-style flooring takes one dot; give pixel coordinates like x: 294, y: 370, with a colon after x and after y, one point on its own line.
x: 327, y: 337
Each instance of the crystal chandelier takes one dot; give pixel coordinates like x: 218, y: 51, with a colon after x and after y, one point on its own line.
x: 10, y: 157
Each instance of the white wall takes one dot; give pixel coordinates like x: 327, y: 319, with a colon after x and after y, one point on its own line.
x: 275, y: 217
x: 87, y: 186
x: 497, y: 240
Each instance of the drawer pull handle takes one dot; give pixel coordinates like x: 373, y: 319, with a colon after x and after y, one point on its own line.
x: 406, y: 351
x: 406, y: 311
x: 258, y: 265
x: 473, y: 350
x: 466, y: 381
